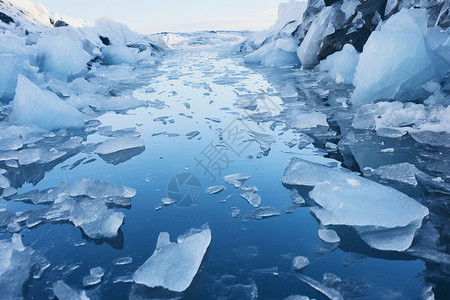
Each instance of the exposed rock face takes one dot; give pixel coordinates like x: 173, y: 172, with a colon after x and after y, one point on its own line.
x: 5, y: 18
x: 340, y: 23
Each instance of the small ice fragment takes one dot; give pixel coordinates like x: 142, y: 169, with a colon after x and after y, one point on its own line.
x: 236, y: 179
x: 123, y: 261
x: 97, y: 271
x: 235, y: 212
x: 174, y: 265
x: 387, y: 150
x: 296, y: 297
x: 329, y: 236
x: 124, y: 279
x: 215, y: 189
x: 265, y: 212
x: 252, y: 198
x: 167, y: 201
x: 90, y: 280
x: 192, y: 134
x: 299, y: 263
x: 332, y: 294
x: 250, y: 188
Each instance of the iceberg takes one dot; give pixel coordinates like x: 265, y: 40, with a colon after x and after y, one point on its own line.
x: 34, y: 106
x: 397, y: 61
x: 385, y: 218
x: 174, y: 265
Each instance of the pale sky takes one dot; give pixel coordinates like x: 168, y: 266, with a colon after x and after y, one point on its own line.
x: 151, y: 16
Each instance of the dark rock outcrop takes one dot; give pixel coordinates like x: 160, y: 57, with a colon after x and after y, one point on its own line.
x: 105, y: 40
x: 60, y: 23
x: 5, y: 18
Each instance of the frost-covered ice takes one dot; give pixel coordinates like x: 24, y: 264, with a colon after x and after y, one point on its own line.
x: 397, y: 60
x: 329, y: 236
x: 174, y: 265
x: 299, y: 263
x: 385, y: 218
x: 253, y: 198
x: 32, y: 105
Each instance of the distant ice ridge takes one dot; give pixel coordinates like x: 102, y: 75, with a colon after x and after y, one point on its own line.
x: 385, y: 218
x: 174, y: 265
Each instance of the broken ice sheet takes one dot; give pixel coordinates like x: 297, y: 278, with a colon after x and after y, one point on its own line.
x: 403, y: 172
x: 174, y: 265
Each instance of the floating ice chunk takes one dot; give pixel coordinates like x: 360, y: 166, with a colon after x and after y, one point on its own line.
x: 215, y: 189
x: 61, y: 56
x: 96, y: 189
x: 96, y: 220
x: 403, y: 172
x: 4, y: 182
x: 264, y: 140
x: 235, y: 212
x: 95, y: 276
x: 329, y: 236
x: 63, y: 291
x: 252, y: 198
x: 397, y: 61
x: 347, y: 199
x: 123, y: 261
x: 341, y: 66
x: 31, y: 105
x: 261, y: 213
x: 236, y: 179
x: 118, y: 144
x: 174, y: 265
x: 320, y: 27
x: 299, y: 263
x: 304, y: 119
x: 330, y: 293
x: 119, y: 54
